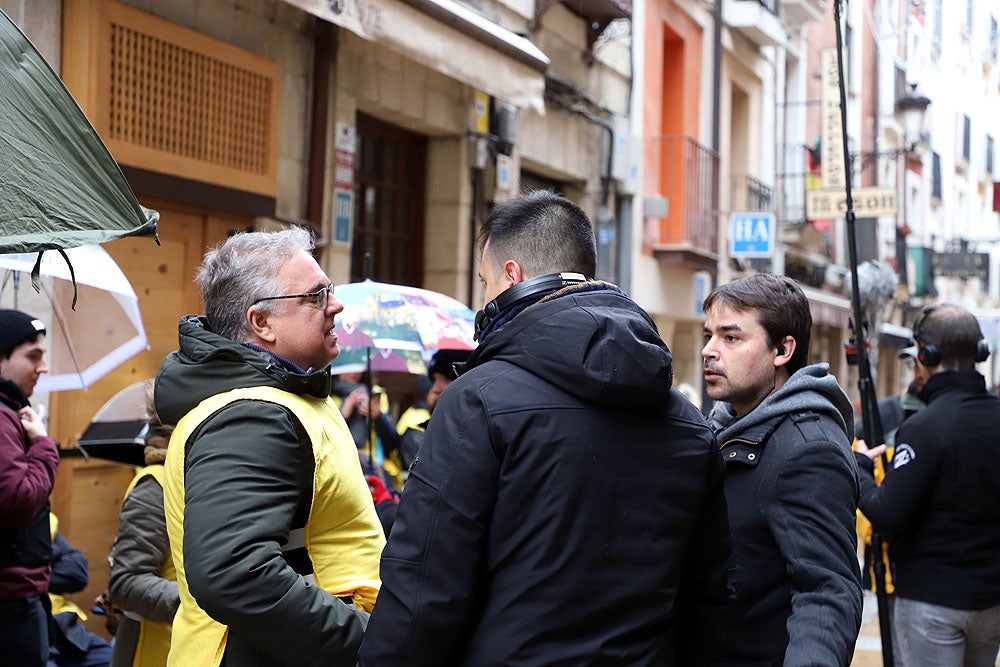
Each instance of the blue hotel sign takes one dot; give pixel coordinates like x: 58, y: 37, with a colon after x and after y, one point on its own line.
x: 751, y: 234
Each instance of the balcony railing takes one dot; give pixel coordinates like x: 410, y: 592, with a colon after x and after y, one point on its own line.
x: 747, y: 193
x: 689, y: 178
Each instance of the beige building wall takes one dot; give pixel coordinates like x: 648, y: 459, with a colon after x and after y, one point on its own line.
x: 41, y: 21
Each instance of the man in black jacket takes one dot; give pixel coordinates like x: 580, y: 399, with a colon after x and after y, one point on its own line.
x: 938, y: 503
x: 791, y: 480
x: 565, y: 507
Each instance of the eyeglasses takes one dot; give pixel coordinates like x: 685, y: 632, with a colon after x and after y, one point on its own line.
x: 322, y: 297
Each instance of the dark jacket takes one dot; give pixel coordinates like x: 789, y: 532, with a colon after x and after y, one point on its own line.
x: 792, y: 488
x: 27, y: 473
x: 565, y: 507
x: 938, y: 502
x: 141, y: 547
x: 233, y: 533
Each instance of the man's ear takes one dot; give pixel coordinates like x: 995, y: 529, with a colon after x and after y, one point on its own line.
x: 512, y: 272
x: 260, y: 324
x: 784, y: 351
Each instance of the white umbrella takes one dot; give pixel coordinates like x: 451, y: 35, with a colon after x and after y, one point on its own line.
x: 103, y: 332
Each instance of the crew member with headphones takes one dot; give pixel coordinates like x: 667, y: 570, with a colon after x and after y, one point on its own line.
x: 938, y: 503
x: 565, y: 507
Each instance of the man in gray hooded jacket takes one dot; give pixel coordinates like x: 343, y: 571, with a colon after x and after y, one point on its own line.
x: 791, y: 480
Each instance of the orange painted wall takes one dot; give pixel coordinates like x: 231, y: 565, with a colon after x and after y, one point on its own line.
x: 672, y: 81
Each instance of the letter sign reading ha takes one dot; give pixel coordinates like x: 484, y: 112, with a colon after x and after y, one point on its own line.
x: 751, y: 234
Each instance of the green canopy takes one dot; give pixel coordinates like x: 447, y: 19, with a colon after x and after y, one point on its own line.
x: 59, y: 185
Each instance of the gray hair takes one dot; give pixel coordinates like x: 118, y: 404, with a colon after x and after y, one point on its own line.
x: 243, y: 269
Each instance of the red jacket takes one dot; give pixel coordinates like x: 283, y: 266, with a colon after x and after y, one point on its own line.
x: 27, y: 474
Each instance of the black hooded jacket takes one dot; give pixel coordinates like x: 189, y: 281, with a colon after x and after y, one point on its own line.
x: 939, y: 499
x: 565, y: 508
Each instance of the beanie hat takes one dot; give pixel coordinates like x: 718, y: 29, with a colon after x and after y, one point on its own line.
x: 17, y: 327
x: 442, y: 362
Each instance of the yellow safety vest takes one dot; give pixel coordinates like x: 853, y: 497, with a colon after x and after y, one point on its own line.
x: 59, y: 602
x: 342, y: 535
x: 153, y: 643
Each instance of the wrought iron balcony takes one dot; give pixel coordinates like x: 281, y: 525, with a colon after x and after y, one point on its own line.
x: 747, y: 193
x: 689, y: 179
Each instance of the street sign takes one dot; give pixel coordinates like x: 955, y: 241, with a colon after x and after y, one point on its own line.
x: 751, y: 234
x: 868, y: 202
x: 832, y: 143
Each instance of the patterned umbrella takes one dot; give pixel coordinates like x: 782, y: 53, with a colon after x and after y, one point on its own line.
x: 384, y: 319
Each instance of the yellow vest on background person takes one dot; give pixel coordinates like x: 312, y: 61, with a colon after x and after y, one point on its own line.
x: 864, y: 528
x: 153, y: 644
x: 342, y: 535
x: 392, y: 463
x: 59, y: 602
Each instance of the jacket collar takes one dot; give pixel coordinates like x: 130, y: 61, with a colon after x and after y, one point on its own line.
x: 11, y: 395
x: 939, y: 383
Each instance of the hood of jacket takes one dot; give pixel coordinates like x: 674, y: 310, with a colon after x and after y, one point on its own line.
x: 811, y: 389
x: 589, y: 340
x: 207, y: 364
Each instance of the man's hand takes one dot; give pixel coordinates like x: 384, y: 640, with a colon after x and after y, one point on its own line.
x: 33, y: 424
x: 872, y: 453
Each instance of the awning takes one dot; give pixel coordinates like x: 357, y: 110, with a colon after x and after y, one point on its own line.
x: 828, y: 309
x: 448, y: 38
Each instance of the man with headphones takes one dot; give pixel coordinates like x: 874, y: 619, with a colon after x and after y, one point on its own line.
x: 938, y: 502
x: 565, y: 506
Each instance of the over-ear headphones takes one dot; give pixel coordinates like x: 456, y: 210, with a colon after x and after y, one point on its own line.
x: 523, y: 290
x: 930, y: 355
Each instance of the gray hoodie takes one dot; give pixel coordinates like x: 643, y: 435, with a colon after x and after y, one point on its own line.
x: 811, y: 389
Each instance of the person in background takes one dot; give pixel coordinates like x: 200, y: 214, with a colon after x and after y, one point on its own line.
x: 71, y: 644
x: 28, y: 460
x: 894, y: 410
x: 371, y: 425
x: 938, y: 502
x: 272, y: 528
x: 784, y: 428
x: 441, y: 371
x: 566, y: 505
x: 143, y: 581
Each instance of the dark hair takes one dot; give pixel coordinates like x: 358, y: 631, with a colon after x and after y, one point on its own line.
x: 780, y: 305
x: 953, y: 330
x: 543, y: 232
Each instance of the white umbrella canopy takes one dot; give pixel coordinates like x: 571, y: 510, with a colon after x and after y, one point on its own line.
x: 84, y: 344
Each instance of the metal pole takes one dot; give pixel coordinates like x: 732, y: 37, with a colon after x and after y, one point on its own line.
x: 872, y: 423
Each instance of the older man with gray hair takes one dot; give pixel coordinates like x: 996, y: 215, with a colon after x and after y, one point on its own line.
x: 272, y: 526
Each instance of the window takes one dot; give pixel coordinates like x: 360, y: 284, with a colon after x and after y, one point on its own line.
x: 969, y: 15
x: 992, y: 47
x: 989, y: 155
x: 388, y: 243
x: 936, y: 176
x: 966, y: 138
x: 938, y: 31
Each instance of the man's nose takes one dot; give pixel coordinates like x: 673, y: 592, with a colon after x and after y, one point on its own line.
x: 708, y: 351
x: 334, y: 304
x: 43, y: 367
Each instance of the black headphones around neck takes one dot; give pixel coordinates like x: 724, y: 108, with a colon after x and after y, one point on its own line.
x: 930, y: 354
x: 514, y: 293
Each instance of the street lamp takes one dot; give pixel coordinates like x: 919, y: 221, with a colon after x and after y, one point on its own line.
x: 912, y: 109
